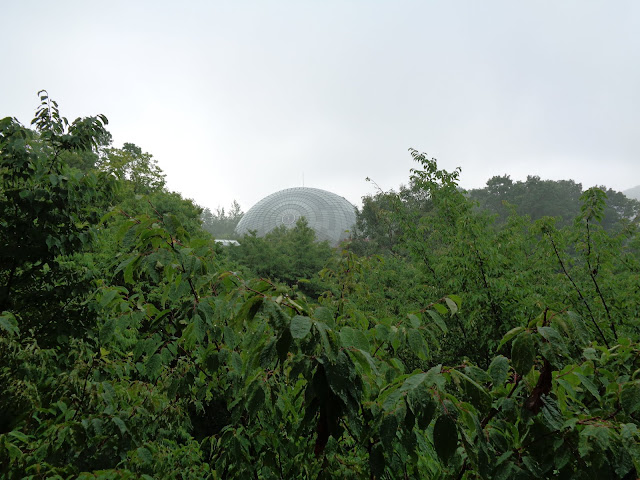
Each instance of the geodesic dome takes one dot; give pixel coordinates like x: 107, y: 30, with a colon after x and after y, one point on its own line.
x: 330, y: 215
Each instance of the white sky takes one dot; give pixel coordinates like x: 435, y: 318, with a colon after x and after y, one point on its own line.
x: 239, y: 99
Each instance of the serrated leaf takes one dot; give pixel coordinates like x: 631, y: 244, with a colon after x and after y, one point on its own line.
x: 630, y: 397
x: 256, y: 400
x: 498, y: 370
x: 128, y: 271
x: 364, y: 360
x: 523, y: 353
x: 593, y: 434
x: 417, y: 343
x: 554, y: 338
x: 121, y: 425
x: 341, y: 376
x: 300, y: 326
x: 283, y: 344
x: 350, y: 337
x: 376, y: 461
x: 551, y: 414
x: 382, y: 332
x: 438, y: 320
x: 419, y: 399
x: 414, y: 321
x: 388, y: 429
x: 107, y: 331
x: 153, y: 366
x: 230, y: 337
x: 327, y: 337
x: 445, y: 437
x: 268, y: 353
x: 589, y: 385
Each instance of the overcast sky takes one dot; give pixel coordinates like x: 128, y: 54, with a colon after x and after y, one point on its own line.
x: 239, y: 99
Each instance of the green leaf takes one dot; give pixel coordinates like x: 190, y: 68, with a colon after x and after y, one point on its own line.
x: 341, y: 377
x: 300, y: 326
x: 452, y: 305
x: 419, y: 399
x: 128, y: 271
x: 256, y: 399
x: 9, y: 323
x: 533, y: 466
x: 323, y: 314
x: 388, y: 429
x: 551, y: 414
x: 588, y: 384
x: 365, y: 360
x: 19, y: 435
x: 509, y: 335
x: 442, y: 310
x: 14, y: 452
x: 498, y: 370
x: 554, y: 339
x: 630, y: 397
x: 249, y: 309
x: 382, y: 332
x: 457, y: 299
x: 108, y: 330
x: 445, y: 437
x: 414, y: 321
x: 230, y: 337
x: 479, y: 397
x: 283, y: 344
x: 350, y: 337
x: 329, y: 341
x: 121, y: 425
x: 107, y: 297
x: 268, y: 353
x: 416, y: 343
x: 438, y: 320
x: 153, y: 366
x: 144, y: 455
x: 523, y: 353
x: 376, y: 460
x: 593, y: 435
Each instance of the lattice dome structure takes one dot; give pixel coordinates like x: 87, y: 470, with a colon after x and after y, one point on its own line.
x: 330, y: 215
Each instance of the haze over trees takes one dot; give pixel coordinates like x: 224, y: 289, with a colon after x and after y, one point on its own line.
x: 222, y: 224
x: 633, y: 192
x: 453, y: 337
x: 538, y: 198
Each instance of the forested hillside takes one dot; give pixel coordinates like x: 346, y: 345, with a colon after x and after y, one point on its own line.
x: 538, y: 198
x: 452, y: 337
x: 633, y: 193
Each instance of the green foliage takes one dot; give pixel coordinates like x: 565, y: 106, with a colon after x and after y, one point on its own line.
x: 48, y: 215
x: 222, y: 224
x: 129, y: 163
x: 292, y: 256
x: 549, y: 198
x: 186, y: 369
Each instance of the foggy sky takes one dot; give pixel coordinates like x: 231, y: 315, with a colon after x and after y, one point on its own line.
x: 239, y: 99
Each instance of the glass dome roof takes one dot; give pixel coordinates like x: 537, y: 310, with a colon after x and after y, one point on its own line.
x: 330, y: 215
